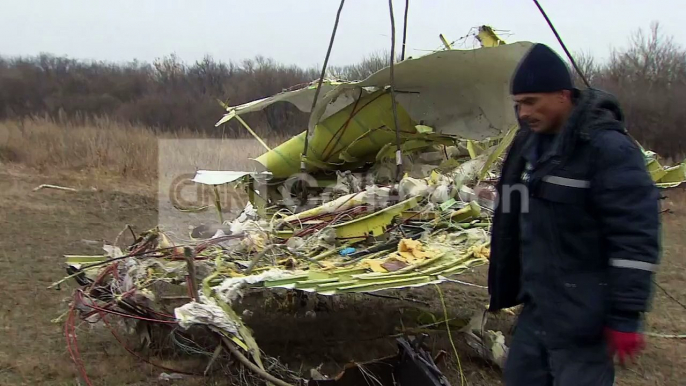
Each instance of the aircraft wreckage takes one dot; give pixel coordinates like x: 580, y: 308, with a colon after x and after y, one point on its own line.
x: 340, y: 219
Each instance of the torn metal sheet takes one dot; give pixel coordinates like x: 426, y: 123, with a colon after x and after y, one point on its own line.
x: 367, y: 122
x: 301, y: 98
x: 373, y: 225
x: 219, y: 177
x: 664, y: 177
x: 458, y: 92
x: 463, y: 92
x: 673, y: 176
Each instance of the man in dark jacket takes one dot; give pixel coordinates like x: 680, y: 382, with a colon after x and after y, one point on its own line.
x: 576, y: 232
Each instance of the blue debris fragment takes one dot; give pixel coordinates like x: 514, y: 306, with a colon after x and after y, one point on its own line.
x: 347, y: 251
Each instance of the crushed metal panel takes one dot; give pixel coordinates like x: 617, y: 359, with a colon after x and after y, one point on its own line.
x: 673, y: 176
x: 460, y: 92
x: 488, y: 38
x: 334, y: 134
x: 219, y: 177
x: 301, y: 98
x: 373, y: 224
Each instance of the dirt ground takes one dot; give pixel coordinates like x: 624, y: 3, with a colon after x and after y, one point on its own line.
x: 38, y: 227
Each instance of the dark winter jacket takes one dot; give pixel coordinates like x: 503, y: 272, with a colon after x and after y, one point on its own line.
x: 576, y: 234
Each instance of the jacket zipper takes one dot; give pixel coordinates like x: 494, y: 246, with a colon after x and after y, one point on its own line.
x: 553, y: 264
x: 556, y: 248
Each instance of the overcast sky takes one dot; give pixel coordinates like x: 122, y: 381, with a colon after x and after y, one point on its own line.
x: 297, y: 31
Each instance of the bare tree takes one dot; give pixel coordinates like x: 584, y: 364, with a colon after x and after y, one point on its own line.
x: 649, y: 77
x: 588, y: 68
x: 359, y: 71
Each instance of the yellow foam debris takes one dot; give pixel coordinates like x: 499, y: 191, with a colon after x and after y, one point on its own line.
x: 480, y: 251
x: 414, y: 248
x: 374, y: 265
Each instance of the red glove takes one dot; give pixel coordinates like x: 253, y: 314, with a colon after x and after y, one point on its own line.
x: 624, y: 343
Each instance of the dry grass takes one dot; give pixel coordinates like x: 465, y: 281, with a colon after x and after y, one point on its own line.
x: 105, y: 148
x: 103, y: 145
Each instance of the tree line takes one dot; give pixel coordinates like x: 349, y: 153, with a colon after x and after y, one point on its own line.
x: 648, y: 76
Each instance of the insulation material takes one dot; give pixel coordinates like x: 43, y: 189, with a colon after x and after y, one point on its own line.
x: 372, y: 195
x: 204, y: 313
x: 230, y: 289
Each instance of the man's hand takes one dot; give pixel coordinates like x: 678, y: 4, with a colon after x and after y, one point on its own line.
x: 624, y: 344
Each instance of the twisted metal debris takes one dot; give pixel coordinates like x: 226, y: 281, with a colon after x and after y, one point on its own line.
x: 362, y: 233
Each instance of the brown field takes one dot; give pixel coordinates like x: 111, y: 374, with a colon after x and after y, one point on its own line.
x: 115, y: 169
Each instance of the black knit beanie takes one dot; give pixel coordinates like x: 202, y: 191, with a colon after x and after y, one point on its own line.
x: 541, y: 70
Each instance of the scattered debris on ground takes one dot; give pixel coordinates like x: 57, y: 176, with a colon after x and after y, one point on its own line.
x: 57, y: 187
x: 389, y: 196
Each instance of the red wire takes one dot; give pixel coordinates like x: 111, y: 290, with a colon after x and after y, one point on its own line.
x: 102, y: 275
x: 132, y: 316
x: 93, y: 306
x: 138, y: 356
x: 70, y: 323
x: 70, y: 334
x: 129, y: 292
x: 115, y: 271
x: 350, y: 212
x: 161, y: 314
x: 150, y: 309
x: 72, y: 345
x: 67, y: 335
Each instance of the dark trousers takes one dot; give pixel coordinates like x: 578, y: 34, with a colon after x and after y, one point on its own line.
x: 530, y: 362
